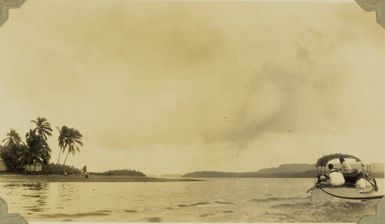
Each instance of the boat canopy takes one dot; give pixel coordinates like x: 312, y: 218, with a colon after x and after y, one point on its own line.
x: 323, y: 161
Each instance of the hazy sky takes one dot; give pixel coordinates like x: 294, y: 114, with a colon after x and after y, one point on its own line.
x: 173, y: 87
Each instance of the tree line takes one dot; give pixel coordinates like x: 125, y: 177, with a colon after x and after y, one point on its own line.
x: 18, y: 154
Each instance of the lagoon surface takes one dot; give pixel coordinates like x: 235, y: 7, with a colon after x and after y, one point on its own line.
x: 213, y: 200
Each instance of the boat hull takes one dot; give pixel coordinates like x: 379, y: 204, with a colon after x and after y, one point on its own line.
x: 322, y: 194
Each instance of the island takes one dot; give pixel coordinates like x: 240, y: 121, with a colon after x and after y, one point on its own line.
x: 293, y: 170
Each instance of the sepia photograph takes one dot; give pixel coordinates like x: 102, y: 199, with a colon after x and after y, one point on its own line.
x: 192, y: 111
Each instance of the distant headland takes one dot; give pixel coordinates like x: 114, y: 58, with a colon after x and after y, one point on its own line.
x: 294, y: 170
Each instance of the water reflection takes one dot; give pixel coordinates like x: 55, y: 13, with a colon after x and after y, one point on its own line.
x: 66, y: 192
x: 31, y: 196
x: 240, y: 200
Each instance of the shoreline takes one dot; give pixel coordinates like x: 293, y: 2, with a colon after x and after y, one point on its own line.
x: 91, y: 178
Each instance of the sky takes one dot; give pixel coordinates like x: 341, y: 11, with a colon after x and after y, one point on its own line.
x: 175, y: 87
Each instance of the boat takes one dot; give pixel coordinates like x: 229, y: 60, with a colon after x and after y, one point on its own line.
x: 323, y: 191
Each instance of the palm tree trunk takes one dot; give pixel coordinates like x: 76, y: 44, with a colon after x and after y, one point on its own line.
x: 65, y: 160
x: 58, y: 159
x: 27, y: 164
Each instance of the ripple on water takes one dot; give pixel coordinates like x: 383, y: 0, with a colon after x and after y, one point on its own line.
x: 130, y: 211
x: 206, y: 214
x: 35, y: 209
x: 73, y: 215
x: 293, y: 205
x: 153, y: 219
x: 275, y: 199
x: 228, y: 211
x: 326, y: 205
x: 193, y: 205
x: 223, y: 202
x: 321, y: 212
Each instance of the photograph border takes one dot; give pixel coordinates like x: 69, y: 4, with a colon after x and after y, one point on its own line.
x: 376, y: 6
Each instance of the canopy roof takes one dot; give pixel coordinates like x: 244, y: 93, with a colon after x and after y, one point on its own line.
x: 323, y: 161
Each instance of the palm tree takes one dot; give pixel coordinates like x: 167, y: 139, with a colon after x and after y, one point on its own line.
x: 13, y: 138
x: 12, y: 150
x: 38, y: 149
x: 69, y: 139
x: 43, y: 127
x: 62, y: 144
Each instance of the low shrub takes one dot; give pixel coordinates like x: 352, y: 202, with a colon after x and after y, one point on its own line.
x: 125, y: 172
x: 59, y: 169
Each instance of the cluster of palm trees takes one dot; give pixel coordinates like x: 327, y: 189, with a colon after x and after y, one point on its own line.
x: 35, y: 150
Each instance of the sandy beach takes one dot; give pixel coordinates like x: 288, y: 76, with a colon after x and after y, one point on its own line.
x: 91, y: 178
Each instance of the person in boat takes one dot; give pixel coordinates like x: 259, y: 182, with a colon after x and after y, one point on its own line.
x: 363, y: 183
x: 335, y: 177
x: 346, y: 167
x: 366, y: 183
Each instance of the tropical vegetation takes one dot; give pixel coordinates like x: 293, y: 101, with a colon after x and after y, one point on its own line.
x: 19, y: 155
x: 13, y: 150
x: 124, y: 172
x: 57, y: 169
x: 69, y: 140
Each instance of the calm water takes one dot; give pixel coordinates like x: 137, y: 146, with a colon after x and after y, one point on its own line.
x: 215, y: 200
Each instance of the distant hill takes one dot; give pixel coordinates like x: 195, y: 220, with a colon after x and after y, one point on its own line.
x: 294, y: 170
x: 288, y: 168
